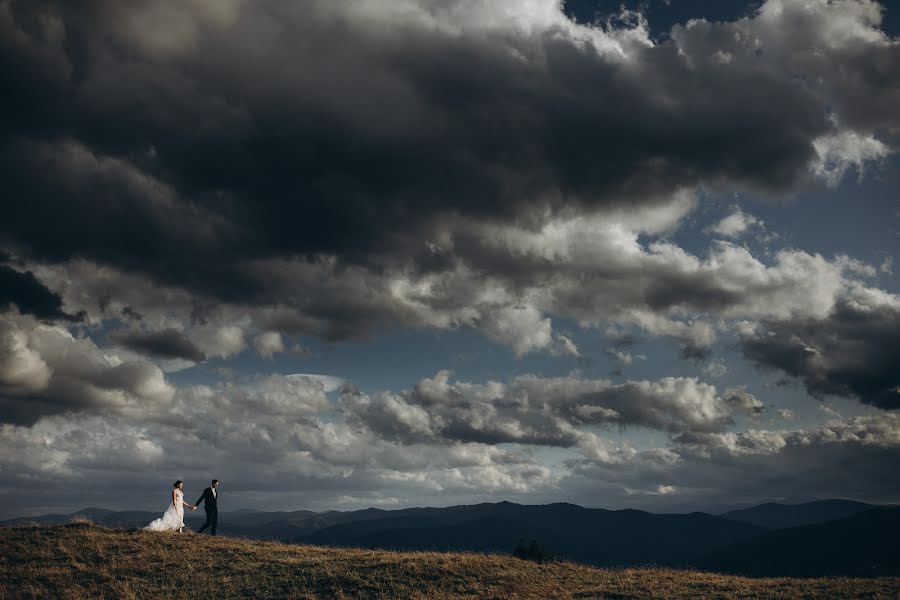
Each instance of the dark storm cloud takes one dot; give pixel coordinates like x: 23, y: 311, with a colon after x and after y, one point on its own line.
x: 851, y: 352
x: 67, y: 201
x: 278, y: 129
x: 29, y: 296
x: 329, y: 167
x: 167, y: 343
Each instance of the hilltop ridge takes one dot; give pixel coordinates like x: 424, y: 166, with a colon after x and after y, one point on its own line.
x: 83, y: 560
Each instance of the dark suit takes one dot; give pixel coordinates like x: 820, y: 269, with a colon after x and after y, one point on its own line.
x: 211, y: 504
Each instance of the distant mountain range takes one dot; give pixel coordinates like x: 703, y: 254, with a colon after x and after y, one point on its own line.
x: 829, y: 537
x: 773, y: 515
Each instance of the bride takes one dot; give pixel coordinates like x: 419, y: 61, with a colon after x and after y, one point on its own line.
x: 173, y: 518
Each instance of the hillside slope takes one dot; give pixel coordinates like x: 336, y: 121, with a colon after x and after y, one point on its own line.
x: 86, y: 561
x: 864, y: 544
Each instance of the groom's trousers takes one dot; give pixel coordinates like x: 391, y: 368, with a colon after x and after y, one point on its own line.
x: 212, y: 519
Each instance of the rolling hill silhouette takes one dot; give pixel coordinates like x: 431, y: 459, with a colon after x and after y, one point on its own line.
x: 780, y: 516
x: 590, y: 536
x: 863, y: 545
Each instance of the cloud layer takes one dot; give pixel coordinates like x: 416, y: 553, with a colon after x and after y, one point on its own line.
x: 451, y: 441
x: 200, y: 187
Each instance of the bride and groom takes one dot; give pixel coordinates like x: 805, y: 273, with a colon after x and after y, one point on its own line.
x: 173, y: 518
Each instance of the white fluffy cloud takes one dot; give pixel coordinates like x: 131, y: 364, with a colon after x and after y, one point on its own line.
x: 268, y: 344
x: 24, y: 371
x: 837, y: 153
x: 538, y: 410
x: 220, y: 340
x: 734, y: 224
x: 44, y: 369
x: 274, y: 434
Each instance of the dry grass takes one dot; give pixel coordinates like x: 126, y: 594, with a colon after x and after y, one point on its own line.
x: 86, y: 561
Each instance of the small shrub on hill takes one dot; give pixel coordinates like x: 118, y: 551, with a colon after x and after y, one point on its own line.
x: 532, y: 551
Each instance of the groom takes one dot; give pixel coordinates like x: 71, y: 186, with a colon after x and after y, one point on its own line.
x: 210, y: 498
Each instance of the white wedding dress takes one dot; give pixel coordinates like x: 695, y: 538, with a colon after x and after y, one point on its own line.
x: 172, y: 519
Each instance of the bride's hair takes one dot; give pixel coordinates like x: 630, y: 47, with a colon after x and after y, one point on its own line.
x: 177, y: 482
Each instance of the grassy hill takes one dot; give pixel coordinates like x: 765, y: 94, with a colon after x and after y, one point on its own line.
x: 87, y: 561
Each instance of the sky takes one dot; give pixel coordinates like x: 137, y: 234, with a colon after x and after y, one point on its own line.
x: 341, y: 254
